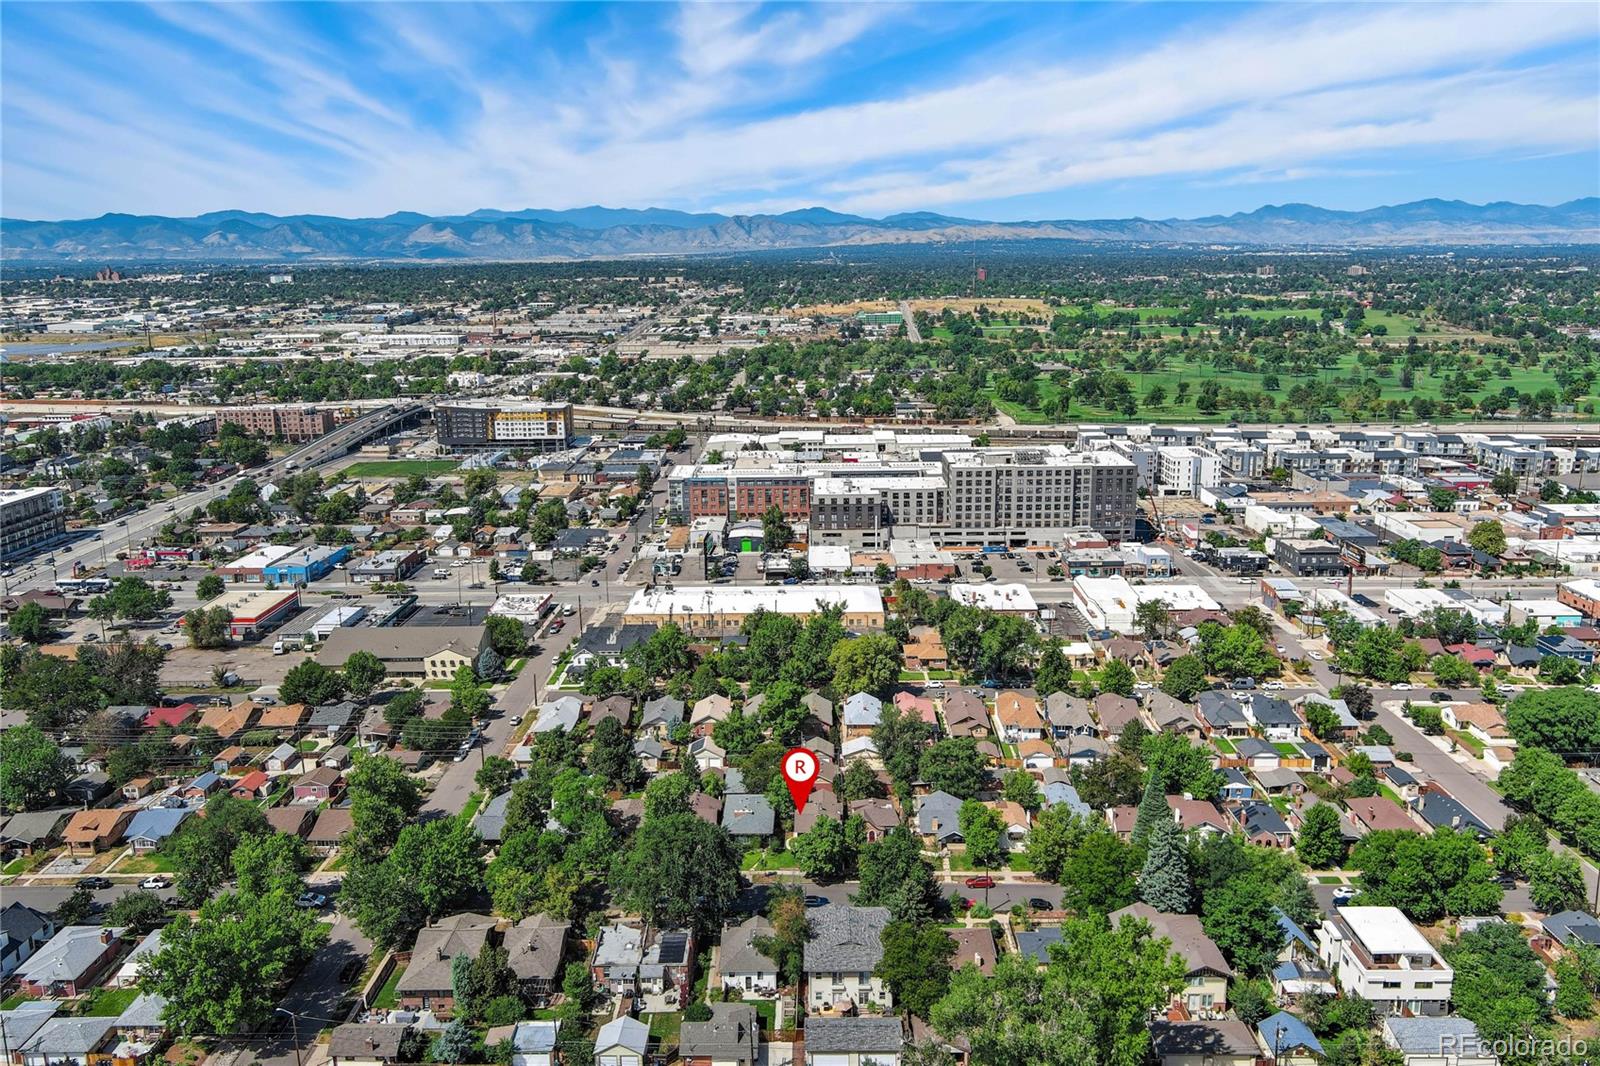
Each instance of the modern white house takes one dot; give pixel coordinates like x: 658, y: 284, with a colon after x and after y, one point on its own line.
x: 845, y: 948
x: 1377, y: 954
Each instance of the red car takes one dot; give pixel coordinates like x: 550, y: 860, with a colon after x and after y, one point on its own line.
x: 984, y: 881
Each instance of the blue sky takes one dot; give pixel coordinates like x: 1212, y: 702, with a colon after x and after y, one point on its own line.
x: 991, y: 111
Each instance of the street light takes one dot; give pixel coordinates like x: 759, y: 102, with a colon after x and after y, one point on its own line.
x: 294, y: 1022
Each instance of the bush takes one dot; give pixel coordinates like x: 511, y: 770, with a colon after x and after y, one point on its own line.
x: 697, y: 1012
x: 503, y: 1010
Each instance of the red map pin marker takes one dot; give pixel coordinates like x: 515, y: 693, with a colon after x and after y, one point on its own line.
x: 800, y: 772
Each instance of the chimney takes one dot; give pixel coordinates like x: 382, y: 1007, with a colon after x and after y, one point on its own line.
x: 105, y: 935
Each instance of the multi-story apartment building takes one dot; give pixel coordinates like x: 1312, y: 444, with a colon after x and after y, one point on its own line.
x: 29, y: 519
x: 294, y: 424
x: 995, y: 496
x: 1025, y: 495
x: 1377, y: 954
x: 1183, y: 470
x: 472, y: 424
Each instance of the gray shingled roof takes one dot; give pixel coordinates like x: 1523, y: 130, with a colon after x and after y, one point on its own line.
x: 845, y: 939
x: 862, y: 1035
x: 747, y: 814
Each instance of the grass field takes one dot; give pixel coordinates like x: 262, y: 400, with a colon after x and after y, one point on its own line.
x: 108, y: 1002
x: 399, y: 467
x: 1523, y: 379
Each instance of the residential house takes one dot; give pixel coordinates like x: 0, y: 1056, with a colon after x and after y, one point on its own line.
x: 32, y: 831
x: 618, y: 706
x: 938, y: 819
x: 329, y: 829
x: 1062, y: 792
x: 618, y: 954
x: 1222, y: 715
x: 1377, y: 954
x: 667, y: 967
x: 1443, y: 811
x: 1571, y: 929
x: 623, y: 1041
x: 845, y: 948
x: 534, y: 1043
x: 1263, y: 825
x: 974, y: 947
x: 69, y: 963
x: 1205, y: 1042
x: 1114, y: 713
x: 284, y: 718
x: 1036, y: 755
x: 710, y: 710
x: 854, y: 1041
x: 69, y: 1041
x: 744, y: 968
x: 1019, y: 718
x: 19, y: 1025
x: 824, y: 803
x: 918, y: 707
x: 1372, y: 813
x: 366, y: 1044
x: 706, y: 754
x: 1172, y: 715
x: 1439, y: 1041
x: 1035, y: 943
x: 23, y: 931
x: 230, y: 722
x: 1258, y: 754
x: 1207, y: 973
x: 229, y: 757
x: 319, y: 786
x: 91, y: 832
x: 331, y: 720
x: 730, y: 1038
x: 426, y: 983
x: 1484, y: 721
x: 148, y: 828
x: 1299, y: 971
x: 862, y: 713
x: 534, y: 950
x: 559, y: 715
x: 965, y: 715
x: 1198, y: 816
x: 748, y: 815
x: 1069, y: 715
x: 661, y: 715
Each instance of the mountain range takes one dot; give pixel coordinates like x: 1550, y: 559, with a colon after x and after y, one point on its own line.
x: 601, y: 232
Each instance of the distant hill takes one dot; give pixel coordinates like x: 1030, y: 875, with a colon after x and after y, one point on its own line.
x: 601, y: 232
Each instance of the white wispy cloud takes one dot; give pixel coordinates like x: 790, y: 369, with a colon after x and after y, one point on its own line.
x: 449, y: 107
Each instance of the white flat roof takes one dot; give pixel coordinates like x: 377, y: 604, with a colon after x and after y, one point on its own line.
x: 1176, y: 597
x: 1385, y: 930
x: 1008, y: 597
x: 783, y: 599
x: 265, y: 555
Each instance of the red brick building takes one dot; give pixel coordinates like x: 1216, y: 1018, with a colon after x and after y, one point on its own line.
x: 293, y: 424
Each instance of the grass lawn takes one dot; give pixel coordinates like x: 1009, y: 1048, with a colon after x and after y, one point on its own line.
x: 1285, y: 748
x: 1389, y: 792
x: 474, y: 801
x: 766, y: 860
x: 399, y: 467
x: 108, y: 1002
x: 912, y: 675
x: 1224, y: 745
x: 1466, y: 740
x: 1329, y: 879
x: 310, y: 745
x: 153, y: 863
x: 387, y: 997
x: 767, y: 1011
x: 941, y: 675
x: 664, y: 1027
x: 959, y: 861
x: 14, y: 1001
x: 1018, y: 861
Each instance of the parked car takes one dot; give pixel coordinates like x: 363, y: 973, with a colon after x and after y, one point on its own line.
x: 310, y: 900
x: 156, y: 883
x: 1343, y: 894
x: 1402, y: 686
x: 816, y: 901
x: 95, y: 883
x: 981, y: 881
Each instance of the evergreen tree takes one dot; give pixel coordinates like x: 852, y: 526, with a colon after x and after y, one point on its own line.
x: 1164, y: 883
x: 1153, y: 810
